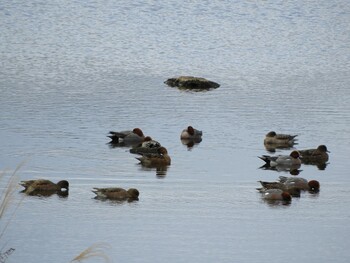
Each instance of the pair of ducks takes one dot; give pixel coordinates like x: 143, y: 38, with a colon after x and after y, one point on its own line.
x: 151, y: 151
x: 136, y: 136
x: 295, y: 158
x: 286, y: 187
x: 46, y: 188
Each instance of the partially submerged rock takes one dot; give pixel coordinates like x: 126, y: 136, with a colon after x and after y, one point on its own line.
x: 188, y: 82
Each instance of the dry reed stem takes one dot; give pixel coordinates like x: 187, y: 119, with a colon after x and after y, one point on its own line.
x: 95, y: 250
x: 6, y: 197
x: 11, y: 186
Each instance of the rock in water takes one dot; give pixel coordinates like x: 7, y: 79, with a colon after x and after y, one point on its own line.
x: 188, y: 82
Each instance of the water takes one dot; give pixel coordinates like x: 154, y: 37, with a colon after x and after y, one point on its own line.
x: 70, y: 72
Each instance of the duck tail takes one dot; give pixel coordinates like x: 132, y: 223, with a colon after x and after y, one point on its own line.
x: 265, y: 159
x: 263, y: 184
x: 261, y: 189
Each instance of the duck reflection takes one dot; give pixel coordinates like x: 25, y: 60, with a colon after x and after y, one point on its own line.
x: 320, y: 165
x: 61, y: 194
x: 276, y: 203
x: 161, y: 171
x: 271, y: 148
x: 190, y: 143
x: 113, y: 145
x: 314, y: 193
x: 291, y: 170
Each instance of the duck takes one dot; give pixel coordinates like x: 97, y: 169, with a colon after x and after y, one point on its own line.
x: 292, y: 190
x: 191, y: 133
x: 276, y: 195
x: 147, y: 146
x: 291, y: 161
x: 116, y: 193
x: 301, y: 183
x: 273, y: 138
x: 318, y: 155
x: 161, y: 158
x: 133, y: 137
x: 44, y: 187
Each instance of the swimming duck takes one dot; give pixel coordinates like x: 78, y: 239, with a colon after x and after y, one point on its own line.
x: 161, y: 158
x: 44, y: 187
x: 191, y: 133
x: 276, y: 195
x: 116, y: 193
x: 133, y: 137
x: 301, y: 183
x: 279, y: 139
x: 290, y: 161
x: 318, y: 155
x: 147, y: 146
x: 292, y: 190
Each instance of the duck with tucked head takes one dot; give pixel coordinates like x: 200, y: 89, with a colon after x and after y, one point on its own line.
x: 161, y: 158
x: 318, y: 155
x: 191, y: 133
x: 133, y: 137
x: 279, y: 139
x: 44, y: 187
x: 301, y: 183
x: 292, y: 190
x: 276, y: 195
x: 290, y: 161
x: 116, y: 193
x: 147, y: 146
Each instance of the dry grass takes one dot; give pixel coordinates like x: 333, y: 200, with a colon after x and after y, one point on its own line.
x: 7, y: 195
x: 95, y: 250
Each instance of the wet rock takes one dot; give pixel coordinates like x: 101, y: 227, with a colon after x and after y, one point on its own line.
x: 188, y: 82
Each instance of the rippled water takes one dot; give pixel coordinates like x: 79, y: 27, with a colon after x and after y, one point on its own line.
x: 72, y: 71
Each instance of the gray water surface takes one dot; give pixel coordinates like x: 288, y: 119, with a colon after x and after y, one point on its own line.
x: 72, y: 71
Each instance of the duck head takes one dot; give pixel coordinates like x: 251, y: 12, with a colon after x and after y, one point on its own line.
x: 138, y: 131
x: 190, y: 130
x: 314, y: 185
x: 271, y: 134
x: 295, y: 154
x: 162, y: 150
x: 286, y: 196
x: 133, y: 193
x: 63, y: 184
x: 323, y: 148
x: 147, y: 139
